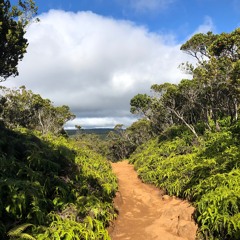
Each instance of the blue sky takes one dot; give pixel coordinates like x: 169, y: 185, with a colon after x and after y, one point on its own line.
x: 95, y: 55
x: 181, y: 17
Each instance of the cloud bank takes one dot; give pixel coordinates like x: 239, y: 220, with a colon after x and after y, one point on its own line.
x: 96, y: 64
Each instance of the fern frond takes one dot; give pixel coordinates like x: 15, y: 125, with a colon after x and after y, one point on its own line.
x: 17, y: 231
x: 26, y: 236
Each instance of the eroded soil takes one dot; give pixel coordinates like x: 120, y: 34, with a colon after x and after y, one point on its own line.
x: 145, y: 213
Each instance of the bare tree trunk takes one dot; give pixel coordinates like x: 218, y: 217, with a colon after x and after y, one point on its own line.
x: 183, y: 120
x: 236, y: 109
x: 206, y: 119
x: 40, y: 121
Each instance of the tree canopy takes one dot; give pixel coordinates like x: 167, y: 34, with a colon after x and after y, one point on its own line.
x: 211, y: 95
x: 22, y: 107
x: 195, y: 152
x: 13, y: 43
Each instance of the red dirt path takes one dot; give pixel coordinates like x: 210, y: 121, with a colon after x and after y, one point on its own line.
x: 145, y: 213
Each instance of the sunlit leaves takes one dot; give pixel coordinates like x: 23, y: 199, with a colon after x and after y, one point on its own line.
x: 64, y: 190
x: 207, y: 174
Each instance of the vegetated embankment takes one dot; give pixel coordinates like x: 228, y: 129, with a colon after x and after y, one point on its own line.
x: 53, y: 188
x: 206, y: 173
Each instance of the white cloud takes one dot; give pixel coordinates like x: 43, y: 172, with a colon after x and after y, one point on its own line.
x: 105, y: 122
x: 150, y: 5
x: 207, y: 26
x: 96, y: 64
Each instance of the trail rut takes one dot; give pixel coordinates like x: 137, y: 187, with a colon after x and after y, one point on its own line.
x: 145, y: 213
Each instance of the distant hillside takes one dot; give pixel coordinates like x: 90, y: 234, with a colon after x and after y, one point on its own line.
x: 102, y: 132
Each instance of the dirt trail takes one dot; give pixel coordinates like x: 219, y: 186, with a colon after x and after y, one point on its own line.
x: 145, y: 213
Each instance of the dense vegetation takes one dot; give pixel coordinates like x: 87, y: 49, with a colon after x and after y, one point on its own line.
x: 185, y: 142
x: 51, y: 187
x: 211, y: 95
x: 195, y: 152
x: 54, y: 187
x: 206, y: 173
x: 187, y: 138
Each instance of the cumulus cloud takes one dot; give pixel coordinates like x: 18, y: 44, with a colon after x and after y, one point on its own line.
x: 95, y: 64
x: 207, y: 26
x: 105, y: 122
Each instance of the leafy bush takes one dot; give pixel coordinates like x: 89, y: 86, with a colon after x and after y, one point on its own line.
x: 207, y: 174
x: 60, y: 189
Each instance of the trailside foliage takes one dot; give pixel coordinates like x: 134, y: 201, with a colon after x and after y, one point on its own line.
x: 121, y: 143
x: 53, y: 188
x: 196, y: 154
x: 206, y: 173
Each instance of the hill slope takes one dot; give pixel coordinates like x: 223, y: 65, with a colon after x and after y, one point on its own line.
x: 207, y: 173
x: 53, y: 188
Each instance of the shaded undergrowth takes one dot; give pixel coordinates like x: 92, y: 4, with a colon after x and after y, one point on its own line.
x: 53, y: 188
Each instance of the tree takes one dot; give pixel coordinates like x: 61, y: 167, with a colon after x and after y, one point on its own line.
x: 198, y: 46
x: 13, y: 44
x: 151, y: 109
x: 217, y: 72
x: 140, y: 132
x: 22, y: 107
x: 212, y: 94
x: 140, y: 104
x: 119, y: 143
x: 175, y: 101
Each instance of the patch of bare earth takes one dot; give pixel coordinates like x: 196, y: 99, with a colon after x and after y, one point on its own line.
x: 145, y: 213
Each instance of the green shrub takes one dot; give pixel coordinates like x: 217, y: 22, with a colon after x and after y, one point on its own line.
x: 54, y: 185
x: 207, y: 174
